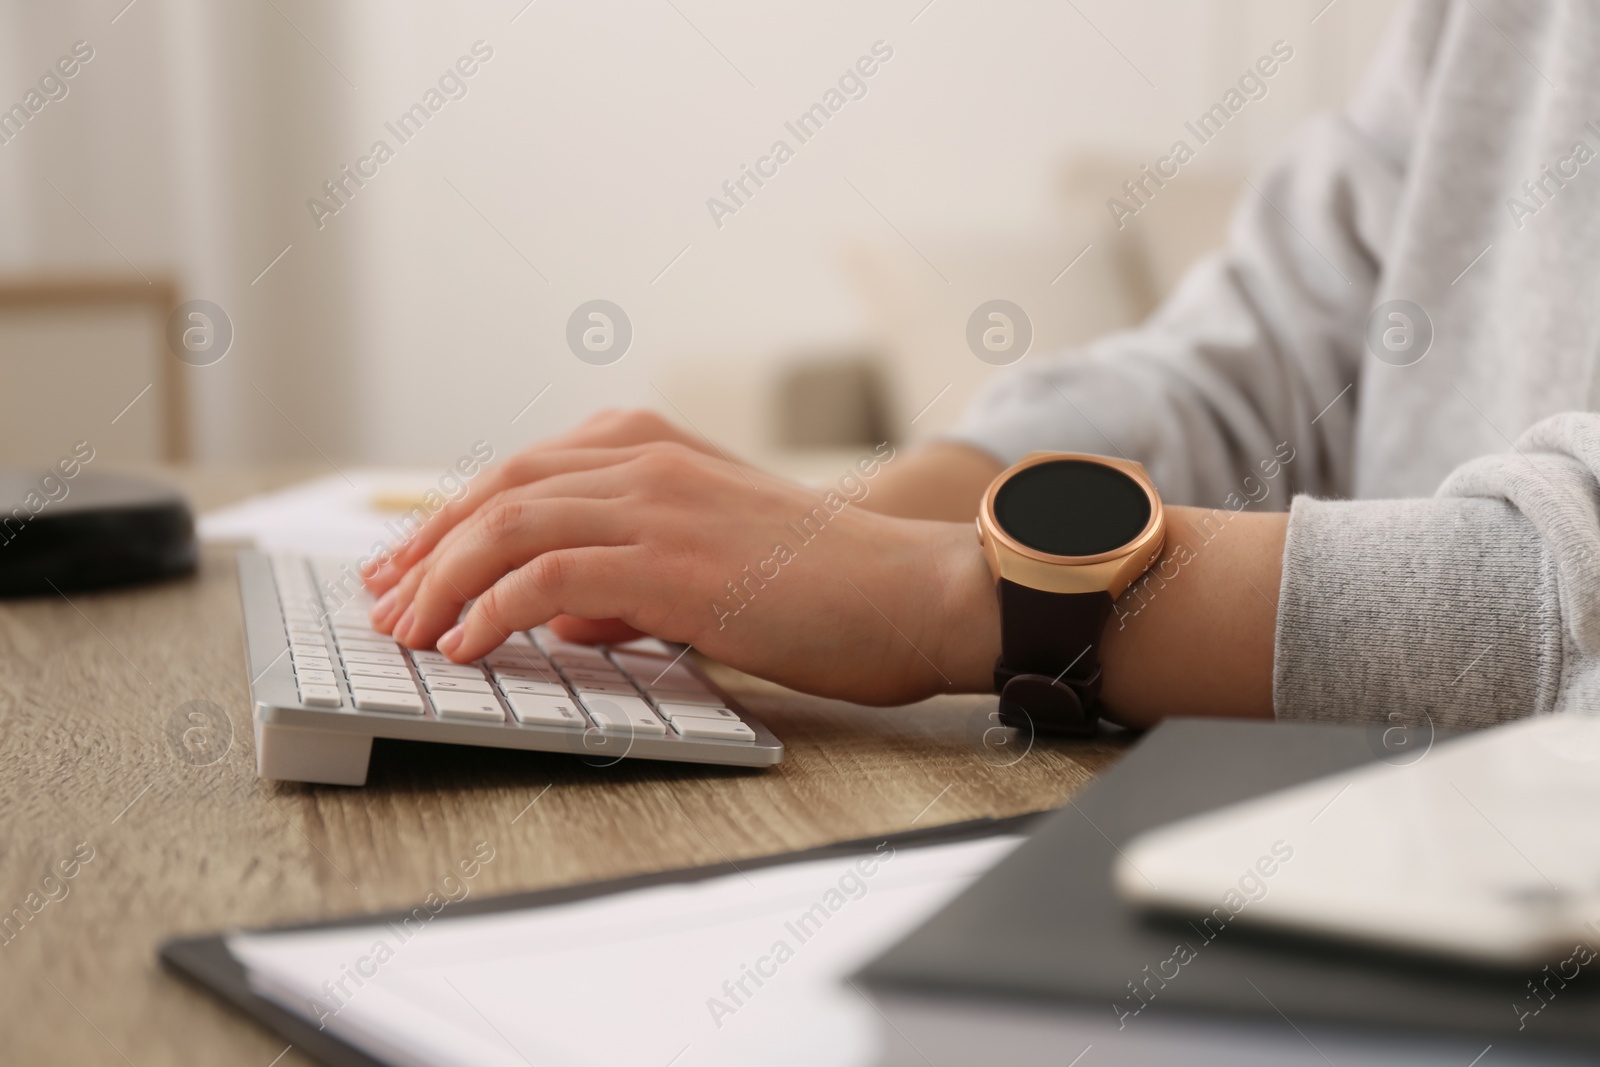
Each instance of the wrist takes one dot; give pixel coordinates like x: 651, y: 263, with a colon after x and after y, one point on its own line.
x: 967, y: 619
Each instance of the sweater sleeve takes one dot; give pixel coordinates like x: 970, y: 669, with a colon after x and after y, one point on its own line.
x: 1476, y: 606
x: 1442, y: 607
x: 1256, y: 348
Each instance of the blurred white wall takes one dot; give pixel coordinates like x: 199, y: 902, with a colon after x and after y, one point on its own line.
x: 433, y: 306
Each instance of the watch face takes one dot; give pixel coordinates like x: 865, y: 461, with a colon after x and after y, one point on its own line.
x: 1072, y: 507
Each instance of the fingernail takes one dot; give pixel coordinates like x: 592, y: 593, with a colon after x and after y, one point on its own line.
x: 404, y: 625
x: 380, y: 610
x: 451, y: 640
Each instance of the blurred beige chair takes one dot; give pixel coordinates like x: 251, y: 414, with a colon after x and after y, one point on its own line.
x: 1076, y: 280
x: 84, y: 358
x: 1184, y: 220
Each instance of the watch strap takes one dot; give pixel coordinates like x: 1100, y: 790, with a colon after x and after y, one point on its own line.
x: 1048, y: 672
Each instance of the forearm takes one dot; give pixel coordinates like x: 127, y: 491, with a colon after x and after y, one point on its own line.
x: 941, y: 480
x: 1195, y: 636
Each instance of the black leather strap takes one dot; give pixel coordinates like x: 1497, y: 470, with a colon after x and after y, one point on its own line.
x: 1048, y: 673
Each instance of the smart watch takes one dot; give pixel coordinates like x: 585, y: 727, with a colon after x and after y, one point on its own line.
x: 1064, y: 533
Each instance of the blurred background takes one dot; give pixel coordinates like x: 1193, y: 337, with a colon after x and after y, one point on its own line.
x: 185, y: 158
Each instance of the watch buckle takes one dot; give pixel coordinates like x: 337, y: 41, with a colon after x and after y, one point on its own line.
x: 1048, y: 705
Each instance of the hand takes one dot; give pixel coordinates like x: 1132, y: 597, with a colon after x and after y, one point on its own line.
x: 605, y: 429
x: 679, y: 544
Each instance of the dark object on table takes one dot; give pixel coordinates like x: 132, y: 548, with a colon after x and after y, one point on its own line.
x: 1041, y: 956
x: 89, y: 531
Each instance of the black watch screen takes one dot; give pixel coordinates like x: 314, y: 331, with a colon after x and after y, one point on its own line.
x: 1072, y: 507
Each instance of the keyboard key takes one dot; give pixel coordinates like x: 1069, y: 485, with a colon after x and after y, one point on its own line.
x: 671, y: 712
x: 603, y: 685
x: 476, y: 706
x: 311, y: 663
x: 320, y: 696
x: 448, y: 670
x: 532, y: 709
x: 669, y: 682
x: 377, y: 670
x: 622, y: 714
x: 685, y: 681
x: 526, y: 674
x: 387, y: 700
x: 576, y: 655
x: 527, y: 659
x: 392, y: 685
x: 702, y: 697
x: 308, y: 627
x: 370, y: 646
x: 518, y: 674
x: 549, y: 689
x: 316, y: 677
x: 388, y: 659
x: 617, y: 688
x: 657, y: 670
x: 719, y: 729
x: 343, y: 632
x: 349, y: 631
x: 586, y: 666
x: 422, y: 656
x: 437, y: 684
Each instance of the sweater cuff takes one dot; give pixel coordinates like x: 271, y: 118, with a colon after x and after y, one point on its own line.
x: 1441, y: 607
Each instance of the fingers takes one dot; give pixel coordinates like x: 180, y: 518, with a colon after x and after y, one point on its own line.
x: 600, y: 483
x: 427, y: 535
x: 593, y: 631
x: 502, y: 538
x: 577, y: 474
x: 592, y: 583
x: 603, y: 430
x: 524, y: 469
x: 614, y: 429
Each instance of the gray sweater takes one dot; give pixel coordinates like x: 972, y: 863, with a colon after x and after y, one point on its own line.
x: 1444, y: 537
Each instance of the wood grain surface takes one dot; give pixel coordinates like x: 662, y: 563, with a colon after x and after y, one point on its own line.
x: 92, y: 703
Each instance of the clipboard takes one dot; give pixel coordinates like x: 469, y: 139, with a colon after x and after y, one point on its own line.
x: 206, y: 961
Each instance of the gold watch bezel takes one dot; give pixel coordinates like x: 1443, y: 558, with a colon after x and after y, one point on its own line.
x: 1111, y: 572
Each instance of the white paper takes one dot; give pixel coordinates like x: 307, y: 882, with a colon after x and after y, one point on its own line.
x: 336, y: 516
x: 631, y: 978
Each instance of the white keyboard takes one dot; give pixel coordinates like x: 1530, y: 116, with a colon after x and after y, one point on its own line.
x: 325, y: 684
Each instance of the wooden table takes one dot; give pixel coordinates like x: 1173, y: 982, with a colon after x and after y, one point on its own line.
x: 92, y: 693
